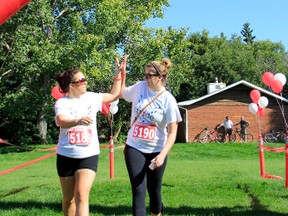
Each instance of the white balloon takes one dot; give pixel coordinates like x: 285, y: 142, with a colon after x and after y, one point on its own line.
x: 114, y: 109
x: 281, y: 77
x: 253, y: 108
x: 115, y: 102
x: 112, y: 105
x: 263, y: 102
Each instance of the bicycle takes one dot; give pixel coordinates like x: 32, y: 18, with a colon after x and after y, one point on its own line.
x: 243, y: 137
x: 212, y: 136
x: 275, y: 136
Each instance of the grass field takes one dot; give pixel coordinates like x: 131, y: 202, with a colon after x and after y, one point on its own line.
x: 200, y: 179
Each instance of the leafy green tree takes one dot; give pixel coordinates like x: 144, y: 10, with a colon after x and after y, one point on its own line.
x: 156, y: 44
x: 47, y: 37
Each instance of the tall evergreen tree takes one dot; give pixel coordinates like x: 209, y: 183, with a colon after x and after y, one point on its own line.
x: 247, y: 34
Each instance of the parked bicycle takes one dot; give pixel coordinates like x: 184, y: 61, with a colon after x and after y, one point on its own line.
x: 275, y: 137
x: 243, y: 137
x: 211, y: 136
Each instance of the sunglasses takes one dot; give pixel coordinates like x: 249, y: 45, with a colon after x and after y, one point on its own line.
x: 148, y: 75
x: 81, y: 81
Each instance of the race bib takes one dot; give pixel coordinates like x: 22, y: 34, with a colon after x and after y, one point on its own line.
x: 80, y: 136
x: 145, y: 132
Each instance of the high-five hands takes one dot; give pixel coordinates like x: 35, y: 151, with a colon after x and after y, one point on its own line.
x: 121, y: 67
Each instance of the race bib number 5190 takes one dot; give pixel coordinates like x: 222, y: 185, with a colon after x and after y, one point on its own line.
x: 80, y: 136
x: 146, y: 132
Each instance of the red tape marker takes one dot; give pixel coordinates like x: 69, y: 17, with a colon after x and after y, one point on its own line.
x: 27, y: 164
x: 111, y: 146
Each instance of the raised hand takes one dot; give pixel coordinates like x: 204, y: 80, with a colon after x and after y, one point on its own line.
x: 121, y: 67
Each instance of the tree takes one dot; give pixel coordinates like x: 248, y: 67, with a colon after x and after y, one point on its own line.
x: 247, y: 34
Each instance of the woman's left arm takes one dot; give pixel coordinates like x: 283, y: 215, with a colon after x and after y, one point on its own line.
x: 172, y: 133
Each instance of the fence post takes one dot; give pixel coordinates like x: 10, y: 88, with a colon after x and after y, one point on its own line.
x: 111, y: 146
x: 286, y: 154
x: 261, y: 154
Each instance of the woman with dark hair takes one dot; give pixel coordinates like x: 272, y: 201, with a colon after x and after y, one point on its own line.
x: 154, y: 123
x: 78, y: 144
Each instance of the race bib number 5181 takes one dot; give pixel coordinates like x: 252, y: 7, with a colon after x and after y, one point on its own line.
x: 146, y: 132
x: 80, y: 136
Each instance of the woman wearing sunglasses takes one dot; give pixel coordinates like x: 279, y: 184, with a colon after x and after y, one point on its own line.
x: 154, y: 123
x: 78, y: 144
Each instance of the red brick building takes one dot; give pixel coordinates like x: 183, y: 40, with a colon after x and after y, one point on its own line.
x: 233, y: 101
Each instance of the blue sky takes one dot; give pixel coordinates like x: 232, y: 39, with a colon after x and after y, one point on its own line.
x: 268, y: 18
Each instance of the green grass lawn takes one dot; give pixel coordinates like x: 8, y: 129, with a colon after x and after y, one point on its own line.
x: 200, y: 179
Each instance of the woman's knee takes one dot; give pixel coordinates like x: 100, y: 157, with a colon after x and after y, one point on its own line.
x: 68, y: 201
x: 82, y: 196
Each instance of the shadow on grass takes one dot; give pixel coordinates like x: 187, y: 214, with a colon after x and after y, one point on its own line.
x: 15, y: 191
x: 4, y: 149
x: 56, y: 207
x: 126, y: 210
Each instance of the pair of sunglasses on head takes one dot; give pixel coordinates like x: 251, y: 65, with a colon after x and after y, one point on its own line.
x: 147, y: 76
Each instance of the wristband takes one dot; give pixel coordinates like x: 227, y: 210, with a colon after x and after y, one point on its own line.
x: 117, y: 79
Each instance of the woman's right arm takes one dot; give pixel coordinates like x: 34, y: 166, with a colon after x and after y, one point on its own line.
x: 123, y: 84
x: 64, y: 122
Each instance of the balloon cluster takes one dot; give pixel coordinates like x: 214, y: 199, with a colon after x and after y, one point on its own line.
x: 257, y: 107
x: 275, y: 82
x: 110, y: 107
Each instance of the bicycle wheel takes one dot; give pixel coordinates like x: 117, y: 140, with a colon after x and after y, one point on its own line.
x: 233, y: 137
x: 248, y: 138
x: 283, y: 137
x: 269, y: 138
x: 220, y: 138
x: 204, y: 139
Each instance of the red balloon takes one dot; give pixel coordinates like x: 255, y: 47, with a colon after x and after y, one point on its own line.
x: 268, y: 78
x: 277, y: 86
x: 260, y: 111
x: 106, y: 108
x: 9, y: 7
x: 56, y: 93
x: 255, y: 95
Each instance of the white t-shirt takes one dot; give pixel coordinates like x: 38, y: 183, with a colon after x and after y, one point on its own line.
x: 149, y: 133
x: 79, y: 141
x: 228, y: 124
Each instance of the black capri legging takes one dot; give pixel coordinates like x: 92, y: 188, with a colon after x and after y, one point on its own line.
x: 137, y: 164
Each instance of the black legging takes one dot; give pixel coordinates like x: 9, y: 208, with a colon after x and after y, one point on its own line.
x: 137, y: 165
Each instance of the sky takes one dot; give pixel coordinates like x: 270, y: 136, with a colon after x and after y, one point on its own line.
x: 268, y: 18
